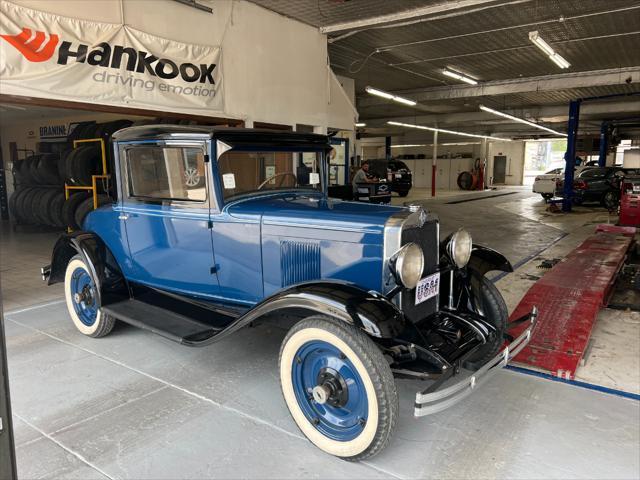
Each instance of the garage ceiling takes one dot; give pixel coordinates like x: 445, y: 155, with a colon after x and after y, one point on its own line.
x: 402, y: 46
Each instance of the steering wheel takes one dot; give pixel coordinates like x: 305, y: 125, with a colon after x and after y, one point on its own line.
x: 282, y: 175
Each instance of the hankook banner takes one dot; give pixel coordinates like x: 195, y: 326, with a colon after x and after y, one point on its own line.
x: 50, y: 56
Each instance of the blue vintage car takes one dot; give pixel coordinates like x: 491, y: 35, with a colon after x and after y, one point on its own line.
x: 211, y: 229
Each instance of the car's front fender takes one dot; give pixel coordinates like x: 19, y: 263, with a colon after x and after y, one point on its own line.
x: 484, y: 259
x: 370, y: 311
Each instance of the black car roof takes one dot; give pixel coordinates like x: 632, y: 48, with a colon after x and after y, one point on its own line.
x: 234, y: 137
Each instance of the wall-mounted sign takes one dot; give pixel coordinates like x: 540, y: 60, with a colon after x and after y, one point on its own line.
x: 53, y: 131
x: 51, y: 56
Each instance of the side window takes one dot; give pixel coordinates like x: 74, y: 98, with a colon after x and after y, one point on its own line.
x: 166, y: 173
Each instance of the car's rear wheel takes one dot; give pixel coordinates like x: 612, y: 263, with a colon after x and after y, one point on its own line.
x: 338, y: 387
x: 610, y: 200
x: 83, y: 301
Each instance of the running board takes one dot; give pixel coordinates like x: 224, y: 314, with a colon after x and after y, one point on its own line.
x: 168, y: 324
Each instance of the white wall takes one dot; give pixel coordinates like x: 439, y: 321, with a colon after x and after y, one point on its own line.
x: 514, y: 151
x: 447, y: 167
x: 275, y: 69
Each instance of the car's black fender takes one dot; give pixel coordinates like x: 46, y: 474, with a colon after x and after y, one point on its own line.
x: 484, y: 259
x: 103, y: 267
x: 370, y: 311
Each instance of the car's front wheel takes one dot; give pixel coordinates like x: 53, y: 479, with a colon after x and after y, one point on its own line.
x: 83, y: 301
x: 494, y: 309
x: 338, y: 387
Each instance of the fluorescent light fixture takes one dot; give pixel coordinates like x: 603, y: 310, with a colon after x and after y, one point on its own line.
x: 361, y: 124
x: 548, y: 50
x: 548, y: 139
x: 409, y: 146
x: 406, y: 101
x: 459, y: 76
x: 520, y: 120
x: 559, y: 60
x: 449, y: 144
x: 378, y: 93
x: 422, y: 127
x: 389, y: 96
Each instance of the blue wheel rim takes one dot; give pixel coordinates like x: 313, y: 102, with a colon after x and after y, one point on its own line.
x: 83, y: 296
x: 342, y: 422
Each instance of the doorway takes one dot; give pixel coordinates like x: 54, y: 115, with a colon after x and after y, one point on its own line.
x: 499, y: 169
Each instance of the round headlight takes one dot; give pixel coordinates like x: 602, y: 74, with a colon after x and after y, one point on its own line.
x: 459, y: 247
x: 408, y: 264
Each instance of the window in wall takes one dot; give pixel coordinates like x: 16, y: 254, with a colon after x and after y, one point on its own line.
x: 166, y: 173
x: 338, y: 161
x: 622, y: 147
x: 542, y: 156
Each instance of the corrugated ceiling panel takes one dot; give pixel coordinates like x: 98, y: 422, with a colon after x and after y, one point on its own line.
x: 326, y: 12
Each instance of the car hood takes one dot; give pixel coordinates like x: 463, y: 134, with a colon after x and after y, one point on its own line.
x: 315, y: 212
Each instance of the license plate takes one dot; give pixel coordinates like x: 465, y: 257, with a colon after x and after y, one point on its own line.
x: 428, y: 288
x: 636, y: 189
x: 398, y: 175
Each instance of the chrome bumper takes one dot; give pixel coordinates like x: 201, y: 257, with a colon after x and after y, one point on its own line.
x: 436, y: 401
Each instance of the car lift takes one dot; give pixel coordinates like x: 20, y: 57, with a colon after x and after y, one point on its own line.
x: 572, y: 134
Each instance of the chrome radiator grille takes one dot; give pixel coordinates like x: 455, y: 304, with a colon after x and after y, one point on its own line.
x: 426, y: 237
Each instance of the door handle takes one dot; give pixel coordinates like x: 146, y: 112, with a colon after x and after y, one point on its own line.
x: 123, y: 216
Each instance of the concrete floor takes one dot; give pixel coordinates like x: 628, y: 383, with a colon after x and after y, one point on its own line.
x: 133, y: 405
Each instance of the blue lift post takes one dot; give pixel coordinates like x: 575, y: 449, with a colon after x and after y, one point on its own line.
x: 570, y: 155
x: 604, y: 144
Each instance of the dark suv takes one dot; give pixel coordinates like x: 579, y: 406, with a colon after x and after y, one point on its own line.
x: 396, y: 172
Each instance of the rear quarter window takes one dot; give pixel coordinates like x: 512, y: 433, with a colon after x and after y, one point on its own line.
x: 166, y: 173
x: 594, y: 173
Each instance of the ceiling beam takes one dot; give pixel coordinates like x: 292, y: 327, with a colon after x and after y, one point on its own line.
x: 546, y: 83
x: 591, y: 114
x: 552, y: 114
x: 445, y: 6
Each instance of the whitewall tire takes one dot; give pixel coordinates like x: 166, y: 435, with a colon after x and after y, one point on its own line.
x: 82, y: 300
x: 338, y: 387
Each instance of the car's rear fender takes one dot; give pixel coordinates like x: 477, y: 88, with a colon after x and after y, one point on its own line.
x: 370, y: 311
x: 104, y: 269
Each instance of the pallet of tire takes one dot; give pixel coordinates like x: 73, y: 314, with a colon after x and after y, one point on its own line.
x: 39, y: 193
x: 39, y: 197
x: 81, y: 163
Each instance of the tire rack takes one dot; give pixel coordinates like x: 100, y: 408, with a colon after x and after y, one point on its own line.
x: 93, y: 188
x: 27, y: 151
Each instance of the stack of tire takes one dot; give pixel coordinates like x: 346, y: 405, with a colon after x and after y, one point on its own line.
x: 39, y: 197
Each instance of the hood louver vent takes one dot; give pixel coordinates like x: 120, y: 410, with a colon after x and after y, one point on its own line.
x: 299, y: 262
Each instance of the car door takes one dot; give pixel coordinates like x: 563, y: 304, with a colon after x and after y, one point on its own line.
x: 166, y: 210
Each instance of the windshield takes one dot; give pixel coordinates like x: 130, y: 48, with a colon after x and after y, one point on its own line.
x: 244, y: 172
